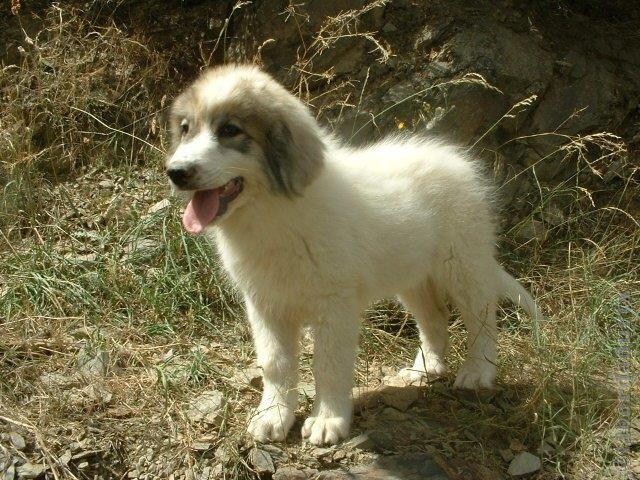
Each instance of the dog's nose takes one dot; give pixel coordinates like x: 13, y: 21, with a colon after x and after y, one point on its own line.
x: 179, y: 176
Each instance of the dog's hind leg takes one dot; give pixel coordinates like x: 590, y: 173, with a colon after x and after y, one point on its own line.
x: 335, y: 342
x: 276, y: 335
x: 478, y: 311
x: 432, y: 317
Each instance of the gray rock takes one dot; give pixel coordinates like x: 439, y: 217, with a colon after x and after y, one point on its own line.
x: 261, y: 461
x: 31, y: 470
x: 400, y: 398
x: 362, y: 441
x: 290, y: 473
x: 17, y: 441
x: 524, y: 463
x: 10, y: 472
x: 159, y: 206
x: 93, y: 366
x: 246, y: 378
x: 206, y: 408
x: 307, y: 390
x: 200, y: 446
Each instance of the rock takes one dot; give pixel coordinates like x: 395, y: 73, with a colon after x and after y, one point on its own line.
x: 30, y: 470
x: 399, y: 398
x: 223, y: 455
x: 83, y: 465
x: 206, y: 408
x: 141, y: 250
x: 261, y: 461
x: 10, y: 472
x: 65, y: 458
x: 250, y: 377
x: 200, y: 446
x: 362, y: 441
x: 322, y: 452
x: 506, y: 454
x: 95, y: 366
x: 307, y: 390
x: 159, y: 206
x: 106, y: 184
x: 17, y: 441
x: 524, y: 463
x: 289, y: 473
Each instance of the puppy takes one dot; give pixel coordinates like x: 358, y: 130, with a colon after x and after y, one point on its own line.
x: 312, y: 231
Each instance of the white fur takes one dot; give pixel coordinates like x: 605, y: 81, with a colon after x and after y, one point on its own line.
x: 405, y: 217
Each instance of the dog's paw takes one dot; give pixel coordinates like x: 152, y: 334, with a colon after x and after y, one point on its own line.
x: 325, y: 430
x: 476, y: 375
x: 271, y: 424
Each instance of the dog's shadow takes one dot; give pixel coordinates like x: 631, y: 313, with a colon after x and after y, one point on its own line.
x: 437, y: 432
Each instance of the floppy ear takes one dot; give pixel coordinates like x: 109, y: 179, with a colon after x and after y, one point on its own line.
x: 293, y: 156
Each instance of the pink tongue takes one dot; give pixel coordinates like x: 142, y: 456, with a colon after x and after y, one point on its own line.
x: 201, y: 211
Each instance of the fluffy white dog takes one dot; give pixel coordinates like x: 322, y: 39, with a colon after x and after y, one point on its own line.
x: 312, y: 232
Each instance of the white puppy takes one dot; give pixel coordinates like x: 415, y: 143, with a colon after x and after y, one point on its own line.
x: 312, y: 232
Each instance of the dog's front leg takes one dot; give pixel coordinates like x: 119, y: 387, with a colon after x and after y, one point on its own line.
x: 276, y: 336
x: 335, y: 343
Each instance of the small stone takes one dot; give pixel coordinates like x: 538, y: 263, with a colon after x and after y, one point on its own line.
x: 290, y: 473
x: 10, y: 472
x: 133, y: 474
x: 506, y: 454
x: 261, y: 461
x: 248, y: 378
x: 201, y: 446
x: 82, y: 465
x: 339, y: 455
x: 399, y: 398
x: 30, y: 470
x: 95, y: 366
x: 524, y: 463
x: 17, y: 441
x: 362, y: 441
x: 206, y: 408
x: 106, y: 184
x: 307, y: 390
x: 65, y: 458
x: 206, y: 472
x: 223, y: 455
x: 321, y: 452
x: 161, y: 205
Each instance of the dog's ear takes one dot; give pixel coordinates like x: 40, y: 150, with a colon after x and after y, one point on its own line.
x: 293, y: 155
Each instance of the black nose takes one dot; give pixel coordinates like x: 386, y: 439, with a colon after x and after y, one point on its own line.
x: 179, y: 176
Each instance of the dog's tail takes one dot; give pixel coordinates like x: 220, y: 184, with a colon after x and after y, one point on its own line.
x: 512, y: 290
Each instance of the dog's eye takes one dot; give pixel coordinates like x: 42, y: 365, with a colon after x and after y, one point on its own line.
x: 228, y: 130
x: 184, y: 127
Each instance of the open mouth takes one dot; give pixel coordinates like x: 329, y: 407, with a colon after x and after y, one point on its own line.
x: 208, y: 205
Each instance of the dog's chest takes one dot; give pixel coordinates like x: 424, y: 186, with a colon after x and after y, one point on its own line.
x: 265, y: 269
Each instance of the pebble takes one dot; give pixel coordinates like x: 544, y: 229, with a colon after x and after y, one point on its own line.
x: 159, y: 206
x: 206, y: 408
x: 289, y: 473
x: 30, y: 470
x: 524, y: 463
x: 261, y: 461
x: 17, y: 441
x: 362, y: 441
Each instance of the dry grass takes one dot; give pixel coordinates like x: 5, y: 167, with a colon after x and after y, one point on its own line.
x: 86, y: 269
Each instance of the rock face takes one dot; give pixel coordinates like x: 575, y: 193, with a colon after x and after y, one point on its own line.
x: 517, y: 83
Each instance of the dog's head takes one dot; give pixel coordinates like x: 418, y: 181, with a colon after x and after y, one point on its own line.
x: 234, y: 131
